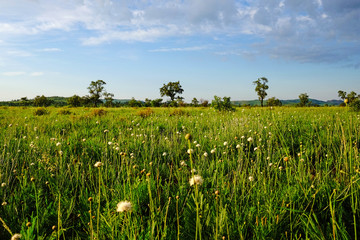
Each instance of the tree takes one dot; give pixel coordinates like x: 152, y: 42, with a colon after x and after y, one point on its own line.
x: 261, y: 88
x: 304, y: 100
x: 171, y: 90
x: 24, y: 101
x: 352, y: 96
x: 273, y: 102
x: 195, y: 102
x: 95, y: 90
x: 74, y: 101
x: 222, y: 105
x: 147, y: 102
x: 41, y: 101
x: 156, y: 102
x: 109, y: 99
x: 342, y: 94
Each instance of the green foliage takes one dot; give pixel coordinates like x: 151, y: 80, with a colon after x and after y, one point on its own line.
x: 96, y: 91
x: 41, y: 101
x: 260, y: 89
x: 273, y: 102
x: 304, y: 100
x: 355, y: 105
x: 74, y: 101
x: 40, y: 112
x: 195, y: 102
x: 171, y: 89
x: 222, y: 104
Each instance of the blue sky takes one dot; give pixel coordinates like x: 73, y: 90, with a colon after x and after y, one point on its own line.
x: 213, y: 47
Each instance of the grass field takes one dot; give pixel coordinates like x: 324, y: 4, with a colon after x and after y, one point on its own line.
x: 256, y: 173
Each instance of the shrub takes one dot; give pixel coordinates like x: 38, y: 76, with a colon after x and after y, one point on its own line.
x: 65, y: 112
x: 40, y: 112
x: 98, y: 112
x: 145, y: 113
x: 178, y: 112
x: 222, y: 105
x: 355, y: 105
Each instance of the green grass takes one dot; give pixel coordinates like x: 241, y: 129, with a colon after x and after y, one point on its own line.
x: 280, y: 173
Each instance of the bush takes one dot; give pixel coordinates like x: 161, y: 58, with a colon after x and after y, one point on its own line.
x: 145, y: 113
x: 40, y: 112
x: 178, y: 112
x: 222, y: 105
x: 355, y: 105
x: 98, y: 112
x: 65, y: 112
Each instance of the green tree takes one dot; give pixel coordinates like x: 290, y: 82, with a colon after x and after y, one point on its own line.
x: 260, y: 89
x: 171, y: 90
x: 147, y: 102
x: 156, y: 102
x: 109, y: 99
x: 96, y: 90
x: 342, y: 94
x: 195, y: 102
x: 24, y: 101
x: 74, y: 101
x: 304, y: 100
x: 273, y: 102
x: 41, y: 101
x: 352, y: 96
x: 222, y: 104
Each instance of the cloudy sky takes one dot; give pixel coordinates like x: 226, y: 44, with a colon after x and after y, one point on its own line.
x: 213, y: 47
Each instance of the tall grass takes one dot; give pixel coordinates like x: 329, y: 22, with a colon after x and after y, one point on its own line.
x: 271, y: 173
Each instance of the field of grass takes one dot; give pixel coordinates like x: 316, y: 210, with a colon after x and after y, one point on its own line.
x: 281, y: 173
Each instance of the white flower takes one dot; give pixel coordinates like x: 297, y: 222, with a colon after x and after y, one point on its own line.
x: 213, y: 151
x: 98, y: 164
x: 3, y: 184
x: 238, y: 146
x: 164, y: 154
x: 251, y: 178
x: 205, y: 154
x: 16, y: 236
x: 124, y: 206
x: 105, y: 131
x: 183, y: 163
x: 58, y: 144
x: 196, y: 179
x: 197, y: 145
x: 109, y: 143
x: 190, y: 151
x: 250, y: 139
x: 225, y: 143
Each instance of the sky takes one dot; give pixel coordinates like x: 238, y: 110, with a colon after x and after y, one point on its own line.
x: 213, y: 47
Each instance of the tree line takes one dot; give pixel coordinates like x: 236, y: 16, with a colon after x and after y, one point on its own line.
x: 99, y: 96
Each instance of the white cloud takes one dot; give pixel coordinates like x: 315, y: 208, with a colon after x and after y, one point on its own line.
x: 184, y: 49
x: 36, y: 74
x: 275, y: 22
x: 13, y: 74
x: 50, y: 50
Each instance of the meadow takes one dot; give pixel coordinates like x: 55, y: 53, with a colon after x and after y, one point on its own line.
x: 179, y: 173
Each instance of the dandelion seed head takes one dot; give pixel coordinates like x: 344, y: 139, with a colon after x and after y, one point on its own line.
x: 124, y: 206
x: 196, y: 180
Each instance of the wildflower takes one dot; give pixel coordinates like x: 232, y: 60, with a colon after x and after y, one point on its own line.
x: 16, y: 236
x: 346, y: 100
x: 4, y: 204
x: 238, y: 146
x: 60, y: 152
x: 213, y: 151
x: 83, y: 139
x: 98, y: 164
x: 3, y: 184
x: 110, y: 143
x: 188, y: 136
x: 250, y: 139
x: 251, y: 178
x: 183, y: 163
x: 225, y: 143
x: 58, y: 144
x: 164, y: 154
x: 193, y: 170
x: 196, y: 179
x: 190, y: 151
x: 205, y: 154
x: 242, y: 137
x: 197, y: 145
x: 286, y: 159
x: 124, y: 206
x: 105, y: 131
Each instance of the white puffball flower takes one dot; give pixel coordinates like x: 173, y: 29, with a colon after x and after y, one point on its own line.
x: 16, y: 236
x: 251, y: 178
x: 205, y: 154
x: 124, y: 206
x: 197, y: 145
x: 213, y: 151
x: 109, y: 143
x: 183, y: 163
x: 58, y: 144
x: 98, y: 164
x: 3, y: 184
x: 250, y: 139
x: 196, y: 180
x: 190, y: 151
x: 225, y: 143
x: 164, y: 154
x: 238, y: 146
